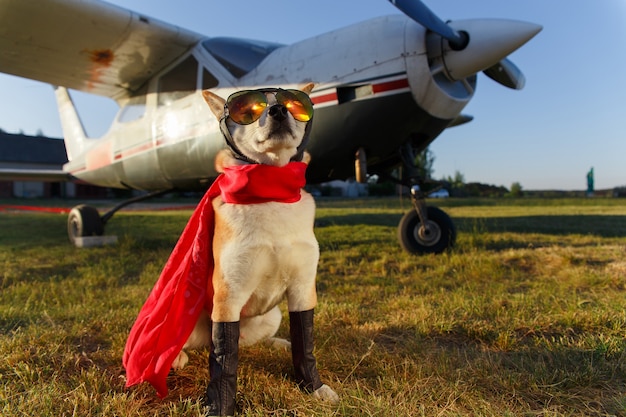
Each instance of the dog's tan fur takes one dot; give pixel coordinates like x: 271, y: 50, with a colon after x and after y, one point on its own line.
x: 262, y: 252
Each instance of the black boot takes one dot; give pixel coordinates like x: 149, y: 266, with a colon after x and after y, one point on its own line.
x: 301, y: 330
x: 220, y: 394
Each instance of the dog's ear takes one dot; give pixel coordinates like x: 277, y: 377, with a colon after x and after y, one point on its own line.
x: 307, y: 88
x: 215, y: 102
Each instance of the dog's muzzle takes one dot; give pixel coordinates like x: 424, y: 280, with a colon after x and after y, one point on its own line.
x: 278, y: 112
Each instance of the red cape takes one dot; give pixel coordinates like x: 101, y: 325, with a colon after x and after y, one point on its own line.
x: 185, y: 286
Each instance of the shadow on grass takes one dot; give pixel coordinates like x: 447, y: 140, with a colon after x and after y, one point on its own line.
x: 13, y: 322
x: 27, y: 230
x: 369, y: 219
x: 595, y: 225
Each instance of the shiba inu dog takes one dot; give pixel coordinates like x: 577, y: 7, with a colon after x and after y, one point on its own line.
x: 262, y: 251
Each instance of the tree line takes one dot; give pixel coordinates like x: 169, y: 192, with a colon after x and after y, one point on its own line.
x: 456, y: 184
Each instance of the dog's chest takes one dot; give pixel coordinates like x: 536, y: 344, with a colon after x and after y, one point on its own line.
x: 263, y: 248
x: 269, y: 223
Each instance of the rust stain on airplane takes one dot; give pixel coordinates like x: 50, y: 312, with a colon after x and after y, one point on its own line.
x: 101, y: 59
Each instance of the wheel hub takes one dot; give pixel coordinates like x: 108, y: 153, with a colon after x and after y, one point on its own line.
x: 427, y: 234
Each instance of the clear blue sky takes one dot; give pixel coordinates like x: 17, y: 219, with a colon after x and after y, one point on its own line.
x: 569, y: 117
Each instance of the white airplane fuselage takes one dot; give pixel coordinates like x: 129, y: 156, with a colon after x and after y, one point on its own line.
x: 377, y: 86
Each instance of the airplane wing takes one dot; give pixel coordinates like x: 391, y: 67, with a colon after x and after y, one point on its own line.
x: 86, y: 45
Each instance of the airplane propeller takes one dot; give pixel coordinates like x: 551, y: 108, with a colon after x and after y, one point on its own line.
x: 506, y: 73
x: 419, y: 12
x: 503, y: 71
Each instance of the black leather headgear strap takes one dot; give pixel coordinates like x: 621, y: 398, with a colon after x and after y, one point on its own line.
x: 239, y: 155
x: 307, y: 130
x: 231, y: 143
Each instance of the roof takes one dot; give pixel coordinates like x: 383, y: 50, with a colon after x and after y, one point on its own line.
x: 31, y: 149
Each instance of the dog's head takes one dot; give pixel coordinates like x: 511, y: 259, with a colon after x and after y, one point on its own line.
x: 265, y: 126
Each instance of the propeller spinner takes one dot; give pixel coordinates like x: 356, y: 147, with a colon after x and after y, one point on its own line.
x: 473, y: 45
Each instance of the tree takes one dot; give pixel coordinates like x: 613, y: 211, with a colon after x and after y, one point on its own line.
x: 457, y: 181
x: 424, y: 162
x: 516, y: 190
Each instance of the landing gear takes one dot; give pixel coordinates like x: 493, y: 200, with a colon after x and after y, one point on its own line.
x: 425, y: 229
x: 85, y: 221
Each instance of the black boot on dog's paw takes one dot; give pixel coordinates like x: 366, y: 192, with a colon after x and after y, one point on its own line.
x: 307, y: 376
x: 219, y: 399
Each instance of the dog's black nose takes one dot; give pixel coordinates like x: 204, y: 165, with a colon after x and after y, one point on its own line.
x: 278, y: 112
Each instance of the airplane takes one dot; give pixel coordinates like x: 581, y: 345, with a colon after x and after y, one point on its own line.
x: 385, y: 89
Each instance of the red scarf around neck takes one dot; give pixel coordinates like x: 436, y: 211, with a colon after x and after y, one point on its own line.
x: 185, y: 286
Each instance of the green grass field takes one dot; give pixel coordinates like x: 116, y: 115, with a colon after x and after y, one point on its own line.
x: 525, y: 317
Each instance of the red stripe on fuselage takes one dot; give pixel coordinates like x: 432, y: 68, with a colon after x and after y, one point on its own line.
x: 324, y: 98
x: 99, y: 157
x: 382, y: 87
x: 78, y: 170
x: 127, y: 153
x: 390, y: 86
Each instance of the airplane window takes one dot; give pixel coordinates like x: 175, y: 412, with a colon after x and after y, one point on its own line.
x: 179, y: 82
x: 133, y: 110
x: 239, y: 56
x: 208, y: 80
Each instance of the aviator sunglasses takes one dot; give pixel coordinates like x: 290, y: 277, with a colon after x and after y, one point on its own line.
x: 245, y: 107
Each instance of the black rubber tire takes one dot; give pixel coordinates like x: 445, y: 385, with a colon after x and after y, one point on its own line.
x: 84, y: 221
x: 441, y: 238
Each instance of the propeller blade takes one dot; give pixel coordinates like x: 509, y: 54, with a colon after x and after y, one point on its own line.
x: 418, y: 11
x: 506, y: 73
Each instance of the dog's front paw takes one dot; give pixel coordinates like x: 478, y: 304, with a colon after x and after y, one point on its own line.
x: 326, y: 393
x: 180, y: 361
x: 278, y: 343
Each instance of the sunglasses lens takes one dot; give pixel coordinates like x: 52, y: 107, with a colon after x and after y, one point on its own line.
x: 298, y: 104
x: 245, y: 107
